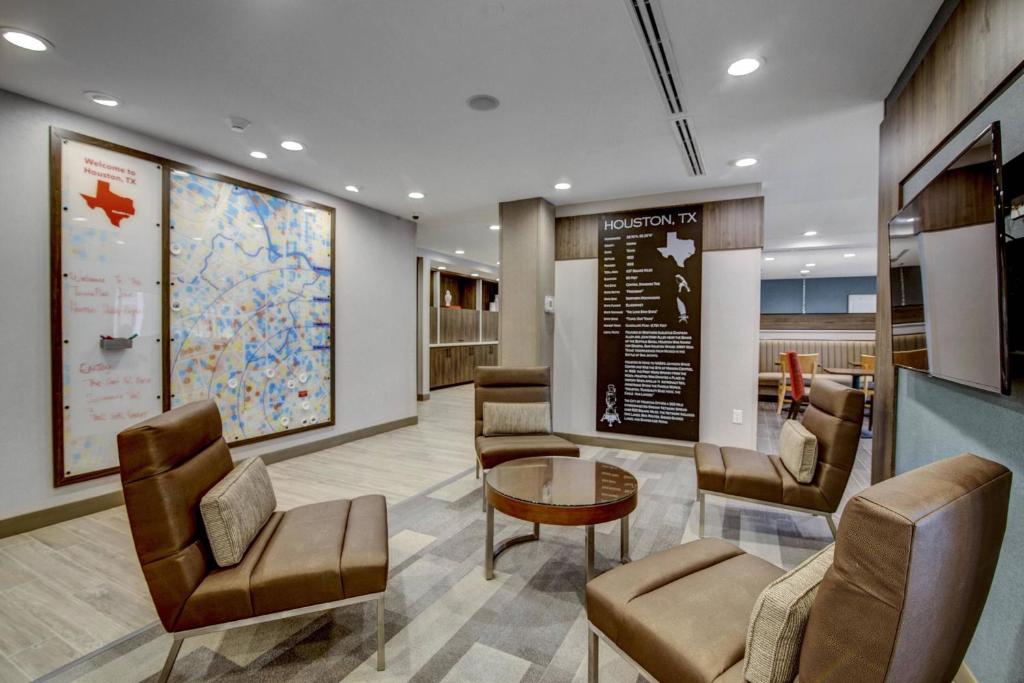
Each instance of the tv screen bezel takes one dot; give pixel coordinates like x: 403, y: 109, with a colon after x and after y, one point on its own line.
x: 1000, y: 215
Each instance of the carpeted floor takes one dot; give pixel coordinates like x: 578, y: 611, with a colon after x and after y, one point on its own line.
x: 444, y: 621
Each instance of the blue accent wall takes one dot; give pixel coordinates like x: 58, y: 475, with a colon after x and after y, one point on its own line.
x: 936, y: 419
x: 824, y: 294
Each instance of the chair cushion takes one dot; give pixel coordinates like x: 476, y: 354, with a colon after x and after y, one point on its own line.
x: 681, y: 614
x: 798, y: 450
x: 516, y: 418
x: 738, y: 472
x: 494, y: 450
x: 778, y: 620
x: 308, y: 555
x: 235, y: 510
x: 769, y: 378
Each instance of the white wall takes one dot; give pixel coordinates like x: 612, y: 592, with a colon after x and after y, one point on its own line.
x: 375, y: 344
x: 730, y: 317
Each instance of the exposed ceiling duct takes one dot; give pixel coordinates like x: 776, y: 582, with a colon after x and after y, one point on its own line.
x: 650, y: 26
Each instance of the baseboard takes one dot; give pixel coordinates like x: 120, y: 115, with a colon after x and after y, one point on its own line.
x: 422, y: 397
x: 684, y: 450
x: 59, y: 513
x: 964, y: 675
x: 336, y: 440
x: 87, y: 506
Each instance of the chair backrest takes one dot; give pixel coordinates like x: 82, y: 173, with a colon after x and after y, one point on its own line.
x: 835, y: 415
x: 168, y: 463
x: 914, y: 560
x: 495, y: 384
x: 867, y: 362
x: 795, y: 369
x: 808, y: 364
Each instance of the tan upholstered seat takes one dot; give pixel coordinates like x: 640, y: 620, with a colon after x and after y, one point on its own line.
x: 513, y: 385
x: 914, y: 559
x: 308, y: 557
x: 711, y: 586
x: 494, y: 450
x: 834, y: 416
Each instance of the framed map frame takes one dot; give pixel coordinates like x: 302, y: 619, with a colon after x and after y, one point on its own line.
x: 307, y: 419
x: 65, y: 395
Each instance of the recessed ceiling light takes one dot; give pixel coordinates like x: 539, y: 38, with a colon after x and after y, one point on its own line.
x: 495, y: 227
x: 810, y: 233
x: 460, y: 252
x: 562, y: 186
x: 256, y: 154
x: 416, y: 195
x: 769, y: 258
x: 483, y: 102
x: 351, y: 188
x: 848, y: 255
x: 292, y: 145
x: 744, y: 162
x: 804, y: 272
x: 497, y: 263
x: 442, y: 267
x: 102, y: 99
x: 497, y: 279
x: 742, y: 67
x: 810, y: 265
x: 474, y: 274
x: 25, y: 40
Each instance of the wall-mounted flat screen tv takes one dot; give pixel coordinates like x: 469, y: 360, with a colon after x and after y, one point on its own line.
x: 947, y: 272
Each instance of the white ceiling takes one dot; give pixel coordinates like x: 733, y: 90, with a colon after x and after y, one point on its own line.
x: 377, y: 90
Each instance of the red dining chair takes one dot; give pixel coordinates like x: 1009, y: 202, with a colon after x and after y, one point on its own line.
x: 798, y: 391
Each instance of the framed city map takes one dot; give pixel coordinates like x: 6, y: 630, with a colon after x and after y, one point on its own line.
x: 250, y: 305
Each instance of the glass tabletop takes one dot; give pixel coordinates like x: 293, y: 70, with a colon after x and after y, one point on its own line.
x: 562, y: 481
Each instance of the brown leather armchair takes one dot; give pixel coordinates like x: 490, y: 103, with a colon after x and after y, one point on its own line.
x: 834, y: 416
x: 914, y: 560
x: 495, y: 384
x: 307, y: 559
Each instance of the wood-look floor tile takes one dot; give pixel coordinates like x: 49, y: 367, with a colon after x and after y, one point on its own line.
x: 44, y: 657
x: 10, y: 673
x: 75, y: 622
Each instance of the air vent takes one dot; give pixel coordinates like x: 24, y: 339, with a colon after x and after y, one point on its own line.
x: 650, y: 26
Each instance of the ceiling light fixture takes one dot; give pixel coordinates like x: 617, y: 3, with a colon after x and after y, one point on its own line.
x: 851, y: 255
x: 497, y: 263
x: 769, y: 258
x: 460, y: 252
x: 256, y: 154
x: 474, y: 274
x: 483, y: 102
x: 563, y: 186
x: 810, y: 265
x: 351, y: 188
x: 810, y: 233
x: 744, y: 67
x: 25, y: 40
x: 495, y: 227
x: 292, y: 145
x: 416, y: 195
x: 102, y: 99
x: 804, y: 272
x: 744, y: 162
x: 442, y: 267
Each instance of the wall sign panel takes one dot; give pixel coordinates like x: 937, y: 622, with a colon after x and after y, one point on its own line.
x: 648, y: 349
x: 106, y: 226
x: 251, y: 306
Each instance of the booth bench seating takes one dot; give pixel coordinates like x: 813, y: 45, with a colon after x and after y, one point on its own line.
x: 832, y: 353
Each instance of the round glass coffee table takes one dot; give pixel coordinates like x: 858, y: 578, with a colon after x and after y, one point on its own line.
x: 559, y: 490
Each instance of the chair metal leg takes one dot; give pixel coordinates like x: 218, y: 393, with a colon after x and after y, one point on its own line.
x: 831, y: 525
x: 171, y: 657
x: 477, y: 469
x: 489, y: 544
x: 590, y: 551
x: 536, y: 529
x: 624, y: 540
x: 380, y: 633
x: 592, y: 661
x: 483, y: 491
x: 702, y: 506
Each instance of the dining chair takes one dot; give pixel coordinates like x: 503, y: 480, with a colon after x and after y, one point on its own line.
x: 809, y: 367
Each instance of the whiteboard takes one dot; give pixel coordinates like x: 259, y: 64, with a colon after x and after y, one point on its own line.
x: 110, y: 246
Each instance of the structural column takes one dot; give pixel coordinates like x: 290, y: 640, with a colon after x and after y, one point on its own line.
x: 527, y: 275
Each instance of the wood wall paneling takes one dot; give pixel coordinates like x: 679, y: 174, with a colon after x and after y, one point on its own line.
x: 730, y: 224
x: 818, y: 321
x: 978, y: 48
